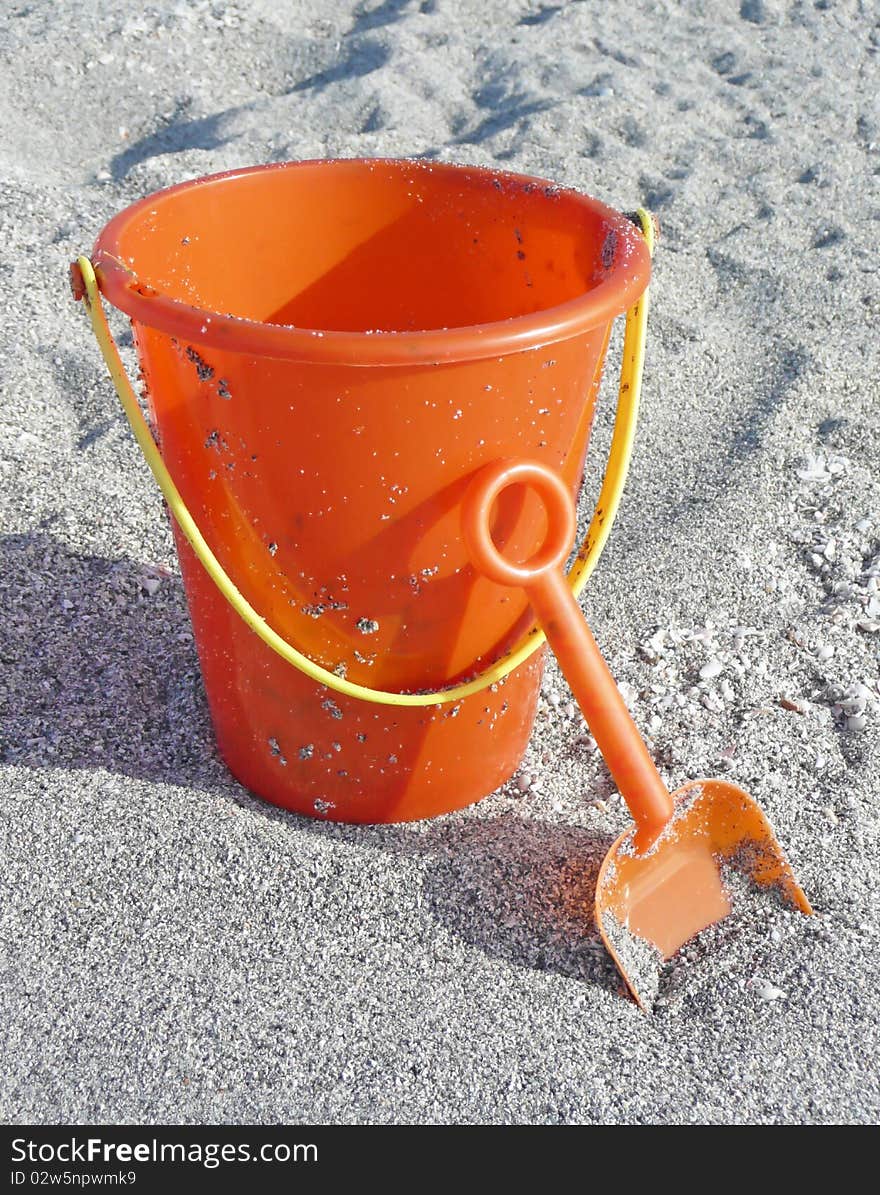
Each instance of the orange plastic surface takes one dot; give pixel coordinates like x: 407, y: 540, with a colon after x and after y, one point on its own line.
x: 676, y: 889
x: 330, y: 350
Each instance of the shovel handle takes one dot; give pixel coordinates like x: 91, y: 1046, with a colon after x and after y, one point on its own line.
x: 565, y: 626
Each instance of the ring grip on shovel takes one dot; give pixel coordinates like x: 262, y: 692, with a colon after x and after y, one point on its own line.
x: 85, y: 286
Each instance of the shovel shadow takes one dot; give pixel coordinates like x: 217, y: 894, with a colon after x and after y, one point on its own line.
x: 516, y: 889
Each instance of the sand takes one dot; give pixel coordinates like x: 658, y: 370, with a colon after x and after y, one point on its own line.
x: 176, y: 951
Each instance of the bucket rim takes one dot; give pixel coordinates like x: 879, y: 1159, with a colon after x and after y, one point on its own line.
x: 625, y: 281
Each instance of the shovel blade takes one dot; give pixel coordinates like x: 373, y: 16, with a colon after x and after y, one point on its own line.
x: 649, y: 903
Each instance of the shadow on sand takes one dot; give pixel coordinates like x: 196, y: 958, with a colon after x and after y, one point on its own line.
x: 100, y: 674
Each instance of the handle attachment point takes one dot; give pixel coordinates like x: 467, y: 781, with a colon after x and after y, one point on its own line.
x: 77, y: 281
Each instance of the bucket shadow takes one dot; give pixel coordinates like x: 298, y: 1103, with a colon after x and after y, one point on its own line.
x: 100, y: 675
x: 97, y: 672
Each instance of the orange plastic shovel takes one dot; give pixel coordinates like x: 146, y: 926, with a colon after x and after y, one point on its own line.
x: 663, y: 880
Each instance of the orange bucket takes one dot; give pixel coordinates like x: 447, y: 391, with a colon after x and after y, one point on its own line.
x: 330, y: 350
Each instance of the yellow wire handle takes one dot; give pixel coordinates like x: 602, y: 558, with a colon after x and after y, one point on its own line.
x: 587, y: 558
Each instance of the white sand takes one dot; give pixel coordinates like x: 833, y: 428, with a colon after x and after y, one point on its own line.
x: 174, y: 950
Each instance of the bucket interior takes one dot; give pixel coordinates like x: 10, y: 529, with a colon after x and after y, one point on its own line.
x: 362, y: 246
